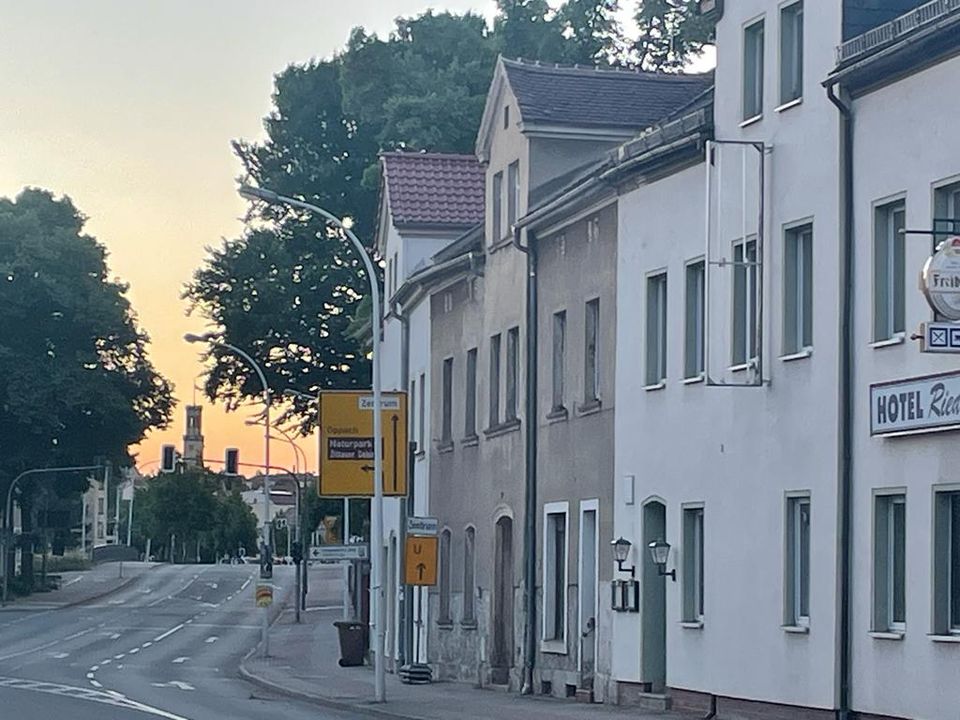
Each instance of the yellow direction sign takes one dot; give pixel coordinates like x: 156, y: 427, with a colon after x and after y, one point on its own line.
x: 420, y: 561
x: 346, y: 443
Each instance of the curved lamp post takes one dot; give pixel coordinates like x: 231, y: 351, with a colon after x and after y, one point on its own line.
x: 212, y: 339
x: 376, y: 530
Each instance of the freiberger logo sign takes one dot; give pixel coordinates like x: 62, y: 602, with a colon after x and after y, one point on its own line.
x: 924, y: 404
x: 940, y: 279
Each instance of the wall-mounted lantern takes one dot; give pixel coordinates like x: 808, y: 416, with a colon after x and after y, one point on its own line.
x: 621, y: 551
x: 660, y: 552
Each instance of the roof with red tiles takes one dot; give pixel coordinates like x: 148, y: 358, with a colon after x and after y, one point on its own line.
x: 435, y: 189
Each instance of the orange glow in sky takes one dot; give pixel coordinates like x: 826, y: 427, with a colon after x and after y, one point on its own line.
x: 129, y: 108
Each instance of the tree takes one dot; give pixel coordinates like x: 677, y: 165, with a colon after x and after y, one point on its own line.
x: 76, y: 382
x: 529, y: 29
x: 671, y: 34
x: 594, y: 37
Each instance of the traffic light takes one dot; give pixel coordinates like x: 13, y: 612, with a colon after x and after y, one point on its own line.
x: 296, y: 551
x: 168, y: 458
x: 266, y: 562
x: 231, y: 461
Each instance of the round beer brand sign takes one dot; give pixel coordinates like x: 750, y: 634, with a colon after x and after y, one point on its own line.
x: 940, y: 279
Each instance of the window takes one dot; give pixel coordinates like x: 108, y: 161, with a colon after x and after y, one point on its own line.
x: 446, y: 436
x: 389, y: 277
x: 555, y: 571
x: 469, y: 573
x: 693, y: 564
x: 513, y: 363
x: 753, y: 70
x: 798, y: 289
x: 513, y: 194
x: 591, y: 366
x: 593, y: 230
x: 444, y: 616
x: 744, y: 301
x: 889, y: 562
x: 798, y: 561
x: 495, y: 381
x: 396, y: 271
x: 506, y: 116
x: 946, y: 212
x: 888, y: 271
x: 694, y: 322
x: 421, y: 438
x: 946, y: 578
x: 791, y: 52
x: 497, y: 208
x: 470, y: 421
x: 559, y: 344
x: 656, y: 329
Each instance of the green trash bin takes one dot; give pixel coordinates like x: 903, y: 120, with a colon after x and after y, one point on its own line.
x: 352, y: 642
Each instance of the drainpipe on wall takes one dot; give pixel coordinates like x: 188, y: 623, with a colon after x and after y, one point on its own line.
x: 530, y: 494
x: 846, y: 399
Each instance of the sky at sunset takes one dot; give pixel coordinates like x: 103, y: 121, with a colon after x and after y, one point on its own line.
x: 129, y: 107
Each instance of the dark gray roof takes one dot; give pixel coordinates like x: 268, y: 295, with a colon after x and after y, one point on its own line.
x: 587, y: 97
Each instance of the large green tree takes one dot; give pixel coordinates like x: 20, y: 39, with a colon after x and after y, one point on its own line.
x: 76, y: 383
x: 286, y: 290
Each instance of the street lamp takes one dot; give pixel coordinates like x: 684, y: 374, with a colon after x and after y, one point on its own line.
x: 376, y: 530
x: 213, y: 339
x: 621, y: 551
x: 660, y: 552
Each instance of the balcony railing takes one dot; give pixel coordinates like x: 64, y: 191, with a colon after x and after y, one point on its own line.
x: 898, y: 27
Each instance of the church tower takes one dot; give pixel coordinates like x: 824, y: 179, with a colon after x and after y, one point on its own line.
x: 193, y: 438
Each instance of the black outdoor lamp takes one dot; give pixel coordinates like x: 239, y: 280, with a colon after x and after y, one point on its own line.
x: 621, y: 551
x: 660, y: 552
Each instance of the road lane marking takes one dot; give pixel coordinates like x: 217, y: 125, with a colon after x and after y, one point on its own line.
x: 178, y: 684
x: 169, y: 632
x: 211, y: 639
x: 96, y: 684
x: 180, y: 660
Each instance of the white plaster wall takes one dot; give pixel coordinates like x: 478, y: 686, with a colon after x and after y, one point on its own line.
x: 905, y: 143
x: 739, y: 450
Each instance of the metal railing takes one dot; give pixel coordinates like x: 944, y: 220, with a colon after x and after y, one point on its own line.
x: 895, y: 29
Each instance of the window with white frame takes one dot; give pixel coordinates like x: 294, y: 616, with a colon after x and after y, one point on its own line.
x: 889, y: 562
x: 591, y: 351
x: 798, y: 561
x: 889, y: 271
x: 494, y: 419
x: 946, y: 558
x: 744, y: 301
x: 513, y: 194
x: 693, y: 564
x: 946, y: 212
x: 753, y: 70
x: 513, y: 372
x: 798, y: 289
x: 656, y: 328
x: 559, y: 347
x: 470, y: 399
x: 791, y: 52
x: 555, y: 571
x: 446, y: 426
x: 422, y: 430
x: 469, y: 574
x: 444, y: 616
x: 496, y: 208
x: 694, y: 320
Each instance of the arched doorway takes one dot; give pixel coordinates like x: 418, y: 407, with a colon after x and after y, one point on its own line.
x: 501, y: 659
x: 653, y: 657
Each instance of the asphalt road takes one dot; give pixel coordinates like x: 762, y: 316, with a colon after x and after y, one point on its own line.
x: 168, y: 646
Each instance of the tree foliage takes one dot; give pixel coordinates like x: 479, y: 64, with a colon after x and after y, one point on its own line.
x: 285, y: 290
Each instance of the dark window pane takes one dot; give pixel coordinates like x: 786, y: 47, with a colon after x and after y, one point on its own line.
x: 899, y: 562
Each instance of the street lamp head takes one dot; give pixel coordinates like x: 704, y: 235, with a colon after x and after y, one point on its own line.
x: 249, y: 192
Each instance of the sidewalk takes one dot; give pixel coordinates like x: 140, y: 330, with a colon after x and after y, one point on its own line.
x: 303, y: 663
x: 83, y: 586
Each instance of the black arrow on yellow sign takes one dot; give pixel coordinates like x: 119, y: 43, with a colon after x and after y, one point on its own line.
x: 396, y: 461
x: 420, y: 568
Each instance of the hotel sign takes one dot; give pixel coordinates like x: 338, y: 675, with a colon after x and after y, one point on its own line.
x: 915, y: 405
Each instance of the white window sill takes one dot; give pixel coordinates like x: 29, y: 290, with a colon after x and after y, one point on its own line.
x: 789, y: 104
x: 887, y: 635
x: 805, y: 353
x: 553, y: 647
x: 743, y: 367
x: 897, y: 339
x: 751, y: 121
x: 694, y: 380
x: 945, y: 638
x: 656, y: 386
x: 692, y: 624
x: 796, y: 629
